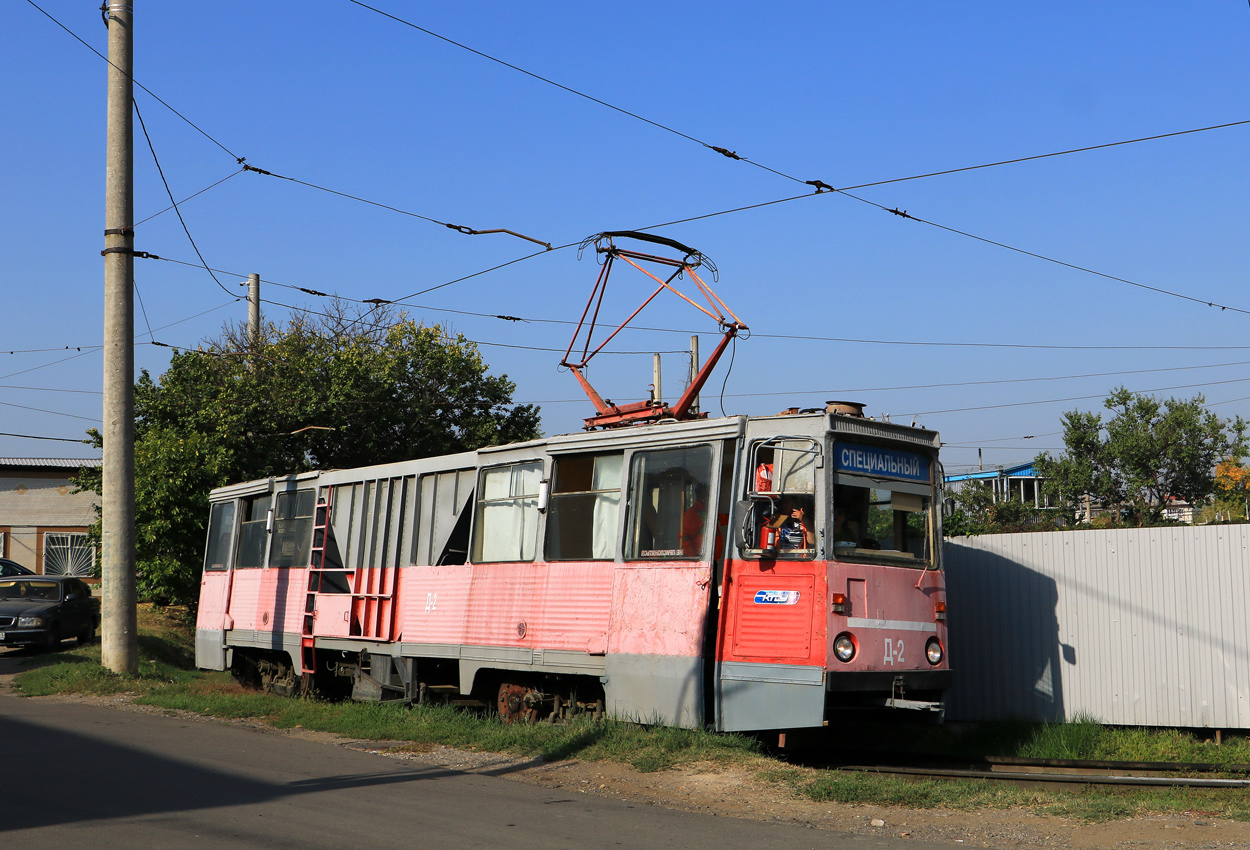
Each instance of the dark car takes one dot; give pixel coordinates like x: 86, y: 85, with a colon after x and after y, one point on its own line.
x: 13, y: 568
x: 44, y: 610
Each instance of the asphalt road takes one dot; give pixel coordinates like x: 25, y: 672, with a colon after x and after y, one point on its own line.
x: 90, y: 776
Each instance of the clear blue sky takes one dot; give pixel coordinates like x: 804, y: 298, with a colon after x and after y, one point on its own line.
x: 848, y: 93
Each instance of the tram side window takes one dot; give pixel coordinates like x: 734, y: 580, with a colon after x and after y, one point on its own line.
x: 220, y: 531
x: 253, y: 531
x: 582, y: 517
x: 668, y: 504
x: 507, y: 514
x: 292, y: 529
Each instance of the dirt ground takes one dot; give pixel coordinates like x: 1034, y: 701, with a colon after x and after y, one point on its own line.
x: 729, y: 792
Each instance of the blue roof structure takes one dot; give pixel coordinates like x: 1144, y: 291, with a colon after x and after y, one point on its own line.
x: 1024, y: 470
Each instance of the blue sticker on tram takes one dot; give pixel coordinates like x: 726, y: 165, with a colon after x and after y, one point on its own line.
x: 776, y: 597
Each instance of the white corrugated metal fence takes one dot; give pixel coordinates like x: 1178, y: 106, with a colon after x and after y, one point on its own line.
x: 1130, y: 626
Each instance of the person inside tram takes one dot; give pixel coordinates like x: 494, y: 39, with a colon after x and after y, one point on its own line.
x: 693, y: 521
x: 791, y: 523
x: 845, y: 530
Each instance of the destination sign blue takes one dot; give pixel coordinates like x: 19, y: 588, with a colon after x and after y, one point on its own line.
x: 880, y: 463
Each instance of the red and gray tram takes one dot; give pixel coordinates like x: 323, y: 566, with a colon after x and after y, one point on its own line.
x: 745, y: 573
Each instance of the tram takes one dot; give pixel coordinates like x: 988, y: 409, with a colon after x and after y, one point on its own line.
x: 737, y: 573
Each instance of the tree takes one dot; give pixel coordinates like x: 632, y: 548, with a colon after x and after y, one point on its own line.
x: 977, y: 512
x: 322, y: 392
x: 1232, y: 480
x: 1148, y: 452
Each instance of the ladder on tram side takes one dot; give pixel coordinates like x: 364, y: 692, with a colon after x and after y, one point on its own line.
x: 316, y: 567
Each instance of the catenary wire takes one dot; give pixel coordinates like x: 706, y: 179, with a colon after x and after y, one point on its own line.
x: 1064, y: 400
x: 722, y: 151
x: 994, y: 382
x: 821, y: 188
x: 34, y: 437
x: 169, y: 192
x: 83, y: 351
x: 466, y: 339
x: 195, y: 126
x: 905, y: 214
x: 402, y: 302
x: 49, y: 390
x: 188, y: 197
x: 459, y: 228
x: 1045, y: 155
x: 52, y: 412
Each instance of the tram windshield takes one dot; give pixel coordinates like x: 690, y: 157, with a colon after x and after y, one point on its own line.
x: 887, y: 514
x: 880, y: 522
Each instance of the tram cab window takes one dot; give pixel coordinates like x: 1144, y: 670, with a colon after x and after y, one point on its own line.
x: 506, y: 527
x: 779, y: 517
x: 888, y: 521
x: 220, y: 533
x: 668, y: 504
x: 583, y: 515
x: 254, y: 531
x: 292, y: 529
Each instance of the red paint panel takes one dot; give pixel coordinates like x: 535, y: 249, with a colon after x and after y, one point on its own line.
x: 770, y: 631
x: 214, y: 588
x: 562, y: 605
x: 575, y: 608
x: 433, y: 602
x: 888, y: 606
x: 280, y: 599
x: 765, y: 628
x: 244, y: 597
x: 659, y: 609
x: 504, y: 601
x: 293, y: 594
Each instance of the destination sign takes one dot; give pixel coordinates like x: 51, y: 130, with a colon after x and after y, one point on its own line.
x: 880, y: 463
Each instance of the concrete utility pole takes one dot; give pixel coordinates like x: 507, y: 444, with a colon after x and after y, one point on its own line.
x: 656, y: 394
x: 694, y: 370
x: 253, y: 310
x: 119, y: 640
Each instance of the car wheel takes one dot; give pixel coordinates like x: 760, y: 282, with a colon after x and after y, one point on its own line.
x: 54, y: 639
x: 86, y: 635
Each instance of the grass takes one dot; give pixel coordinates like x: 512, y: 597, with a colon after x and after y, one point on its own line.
x: 1082, y: 738
x: 166, y: 649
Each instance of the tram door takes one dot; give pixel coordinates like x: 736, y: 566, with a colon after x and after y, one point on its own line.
x: 720, y: 552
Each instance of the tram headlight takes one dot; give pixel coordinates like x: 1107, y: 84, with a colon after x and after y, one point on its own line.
x: 844, y: 647
x: 933, y: 651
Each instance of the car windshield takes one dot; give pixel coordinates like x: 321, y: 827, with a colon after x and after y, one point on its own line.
x: 29, y: 589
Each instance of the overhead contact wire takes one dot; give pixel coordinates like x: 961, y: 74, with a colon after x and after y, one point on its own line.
x: 195, y: 126
x: 169, y: 192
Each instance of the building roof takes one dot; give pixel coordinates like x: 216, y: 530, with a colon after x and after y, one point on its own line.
x: 49, y: 462
x: 1024, y: 470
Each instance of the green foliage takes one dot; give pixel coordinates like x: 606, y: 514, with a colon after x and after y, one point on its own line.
x: 976, y: 512
x: 1147, y: 452
x: 322, y: 392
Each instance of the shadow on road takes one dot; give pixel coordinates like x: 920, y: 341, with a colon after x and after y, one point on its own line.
x: 59, y: 776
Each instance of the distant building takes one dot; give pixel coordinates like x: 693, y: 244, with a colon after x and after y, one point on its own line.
x: 1021, y: 483
x: 43, y: 522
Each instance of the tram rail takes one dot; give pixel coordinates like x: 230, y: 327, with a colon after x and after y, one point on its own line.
x: 1047, y: 772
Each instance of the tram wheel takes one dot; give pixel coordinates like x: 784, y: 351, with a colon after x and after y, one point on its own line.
x: 517, y: 703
